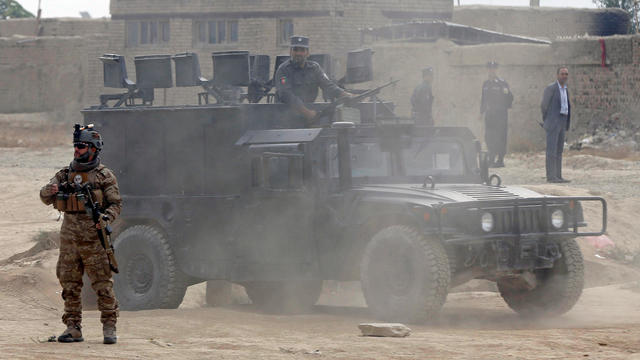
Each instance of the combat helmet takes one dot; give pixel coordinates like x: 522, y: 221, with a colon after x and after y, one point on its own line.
x: 88, y: 135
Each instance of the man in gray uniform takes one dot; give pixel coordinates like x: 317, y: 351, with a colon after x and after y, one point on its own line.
x: 422, y: 99
x: 556, y: 116
x: 298, y: 80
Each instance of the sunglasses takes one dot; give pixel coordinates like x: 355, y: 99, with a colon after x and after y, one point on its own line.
x: 80, y: 146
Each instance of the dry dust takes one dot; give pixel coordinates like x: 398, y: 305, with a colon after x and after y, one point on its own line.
x: 605, y: 324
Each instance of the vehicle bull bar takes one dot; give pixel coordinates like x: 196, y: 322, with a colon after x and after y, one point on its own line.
x: 517, y: 207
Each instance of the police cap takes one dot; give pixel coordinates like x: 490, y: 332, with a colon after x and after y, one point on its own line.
x: 300, y: 41
x: 427, y: 71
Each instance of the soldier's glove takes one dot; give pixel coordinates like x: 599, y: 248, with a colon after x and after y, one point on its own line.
x: 50, y: 189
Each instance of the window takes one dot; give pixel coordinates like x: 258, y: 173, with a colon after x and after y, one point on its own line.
x: 367, y: 160
x: 285, y: 31
x: 215, y: 31
x: 147, y: 32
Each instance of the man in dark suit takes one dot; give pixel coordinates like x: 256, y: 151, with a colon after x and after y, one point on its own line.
x: 556, y: 115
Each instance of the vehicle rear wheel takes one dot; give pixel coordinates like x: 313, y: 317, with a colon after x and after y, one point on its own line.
x: 284, y: 297
x: 558, y: 289
x: 405, y: 276
x: 149, y: 277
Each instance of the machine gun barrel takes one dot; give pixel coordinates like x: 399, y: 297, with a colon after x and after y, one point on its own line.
x: 350, y: 101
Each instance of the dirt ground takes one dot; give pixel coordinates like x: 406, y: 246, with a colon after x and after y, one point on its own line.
x: 605, y: 324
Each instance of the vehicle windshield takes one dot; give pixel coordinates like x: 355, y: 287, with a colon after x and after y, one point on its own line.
x: 433, y: 157
x: 367, y: 160
x: 423, y: 157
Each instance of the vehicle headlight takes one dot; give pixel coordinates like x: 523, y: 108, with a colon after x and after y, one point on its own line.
x: 557, y: 218
x: 487, y: 222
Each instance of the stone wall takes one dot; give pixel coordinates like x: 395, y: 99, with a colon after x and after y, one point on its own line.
x: 550, y: 23
x: 597, y: 93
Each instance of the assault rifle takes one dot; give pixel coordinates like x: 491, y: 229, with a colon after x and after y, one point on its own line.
x: 104, y: 234
x: 349, y: 101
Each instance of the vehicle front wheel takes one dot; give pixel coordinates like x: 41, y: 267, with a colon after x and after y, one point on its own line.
x: 558, y: 289
x: 149, y: 277
x: 405, y: 276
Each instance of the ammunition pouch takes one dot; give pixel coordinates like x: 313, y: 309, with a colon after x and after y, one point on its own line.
x: 74, y: 202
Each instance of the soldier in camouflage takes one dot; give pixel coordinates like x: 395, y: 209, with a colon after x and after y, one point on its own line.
x: 80, y: 247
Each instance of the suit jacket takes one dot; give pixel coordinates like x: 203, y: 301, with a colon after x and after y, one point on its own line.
x: 550, y: 107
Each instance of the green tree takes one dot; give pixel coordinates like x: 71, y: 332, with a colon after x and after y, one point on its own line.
x: 632, y: 6
x: 12, y: 9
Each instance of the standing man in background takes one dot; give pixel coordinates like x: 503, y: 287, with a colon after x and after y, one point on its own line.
x: 496, y: 102
x: 422, y: 99
x: 556, y: 116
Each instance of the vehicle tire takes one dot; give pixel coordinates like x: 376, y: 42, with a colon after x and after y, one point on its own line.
x: 558, y: 289
x: 218, y: 293
x: 148, y: 278
x: 405, y: 276
x: 284, y: 297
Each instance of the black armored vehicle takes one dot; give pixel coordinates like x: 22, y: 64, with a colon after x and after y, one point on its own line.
x: 233, y: 192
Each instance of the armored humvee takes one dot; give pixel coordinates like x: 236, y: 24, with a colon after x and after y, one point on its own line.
x: 235, y: 192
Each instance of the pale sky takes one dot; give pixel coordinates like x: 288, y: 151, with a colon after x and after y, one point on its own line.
x: 100, y: 8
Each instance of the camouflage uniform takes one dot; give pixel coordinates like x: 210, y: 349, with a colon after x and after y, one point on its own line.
x: 81, y: 250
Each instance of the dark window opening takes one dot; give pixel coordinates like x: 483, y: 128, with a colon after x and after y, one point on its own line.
x: 215, y: 31
x: 147, y: 32
x: 233, y: 31
x: 285, y: 31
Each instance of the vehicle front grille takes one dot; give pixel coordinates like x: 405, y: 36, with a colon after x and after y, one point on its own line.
x: 530, y: 220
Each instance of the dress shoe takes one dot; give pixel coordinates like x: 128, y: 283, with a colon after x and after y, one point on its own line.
x: 561, y: 180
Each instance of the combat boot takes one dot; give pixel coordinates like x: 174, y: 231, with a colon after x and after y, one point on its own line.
x: 72, y: 334
x: 109, y: 333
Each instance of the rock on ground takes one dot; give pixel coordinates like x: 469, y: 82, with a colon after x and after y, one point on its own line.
x: 385, y: 330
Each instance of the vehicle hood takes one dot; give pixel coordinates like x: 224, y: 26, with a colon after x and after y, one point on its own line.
x: 442, y: 193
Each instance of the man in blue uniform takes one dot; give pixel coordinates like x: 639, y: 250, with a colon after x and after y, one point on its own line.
x: 298, y: 80
x: 496, y: 102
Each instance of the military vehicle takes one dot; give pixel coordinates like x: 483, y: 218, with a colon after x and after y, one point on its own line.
x: 235, y: 192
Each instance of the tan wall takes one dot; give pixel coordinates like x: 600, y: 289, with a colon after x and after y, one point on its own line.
x: 54, y: 27
x: 41, y: 74
x: 549, y: 23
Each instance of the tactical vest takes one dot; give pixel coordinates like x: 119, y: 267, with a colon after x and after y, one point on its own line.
x: 69, y: 200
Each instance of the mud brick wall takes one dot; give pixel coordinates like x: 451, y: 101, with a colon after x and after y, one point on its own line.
x: 54, y: 27
x: 41, y: 74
